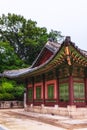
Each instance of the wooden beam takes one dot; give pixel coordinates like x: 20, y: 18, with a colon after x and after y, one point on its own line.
x: 67, y: 50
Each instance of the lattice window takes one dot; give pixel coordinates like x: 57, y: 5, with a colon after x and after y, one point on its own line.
x: 30, y: 93
x: 64, y: 92
x: 38, y: 92
x: 50, y: 91
x: 79, y: 92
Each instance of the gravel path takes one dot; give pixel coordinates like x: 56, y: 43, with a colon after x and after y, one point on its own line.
x: 15, y: 121
x: 18, y: 119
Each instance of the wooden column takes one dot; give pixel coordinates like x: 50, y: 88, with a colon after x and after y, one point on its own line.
x: 43, y: 89
x: 86, y: 90
x: 71, y: 90
x: 33, y: 89
x: 57, y: 88
x: 26, y: 91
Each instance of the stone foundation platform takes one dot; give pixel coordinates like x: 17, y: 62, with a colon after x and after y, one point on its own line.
x: 70, y: 111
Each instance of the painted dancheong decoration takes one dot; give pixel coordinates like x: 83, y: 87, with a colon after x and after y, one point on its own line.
x: 58, y: 76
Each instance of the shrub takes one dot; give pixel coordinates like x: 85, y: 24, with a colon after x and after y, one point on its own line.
x: 8, y: 96
x: 1, y: 96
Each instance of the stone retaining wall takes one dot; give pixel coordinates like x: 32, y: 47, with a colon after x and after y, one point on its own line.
x: 11, y: 104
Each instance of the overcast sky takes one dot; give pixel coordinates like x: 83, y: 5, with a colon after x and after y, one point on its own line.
x: 67, y: 16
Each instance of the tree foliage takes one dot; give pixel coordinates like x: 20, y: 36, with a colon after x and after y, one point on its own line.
x: 21, y: 41
x: 24, y: 36
x: 8, y: 58
x: 55, y: 35
x: 11, y: 90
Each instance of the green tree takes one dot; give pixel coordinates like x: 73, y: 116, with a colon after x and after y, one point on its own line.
x: 21, y: 41
x: 19, y: 92
x: 6, y: 90
x: 7, y: 87
x: 25, y: 36
x: 1, y: 96
x: 8, y: 96
x: 11, y: 90
x: 55, y: 35
x: 8, y: 58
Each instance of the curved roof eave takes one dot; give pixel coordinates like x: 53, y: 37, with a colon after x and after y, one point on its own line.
x: 51, y: 46
x: 24, y: 72
x: 16, y: 74
x: 43, y: 67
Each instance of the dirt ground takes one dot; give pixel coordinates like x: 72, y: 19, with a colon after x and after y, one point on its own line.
x: 18, y: 119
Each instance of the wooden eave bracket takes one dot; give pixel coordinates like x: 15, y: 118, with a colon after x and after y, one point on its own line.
x: 67, y: 52
x: 79, y: 59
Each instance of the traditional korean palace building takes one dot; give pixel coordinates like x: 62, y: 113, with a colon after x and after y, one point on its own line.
x: 57, y: 80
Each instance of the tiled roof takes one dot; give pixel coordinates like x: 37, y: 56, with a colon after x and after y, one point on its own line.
x: 16, y: 73
x: 51, y: 46
x: 83, y: 52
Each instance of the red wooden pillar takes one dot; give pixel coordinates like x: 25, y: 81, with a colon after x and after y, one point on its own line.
x: 26, y: 90
x: 43, y: 89
x: 57, y: 89
x: 33, y: 90
x: 71, y: 90
x: 86, y: 90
